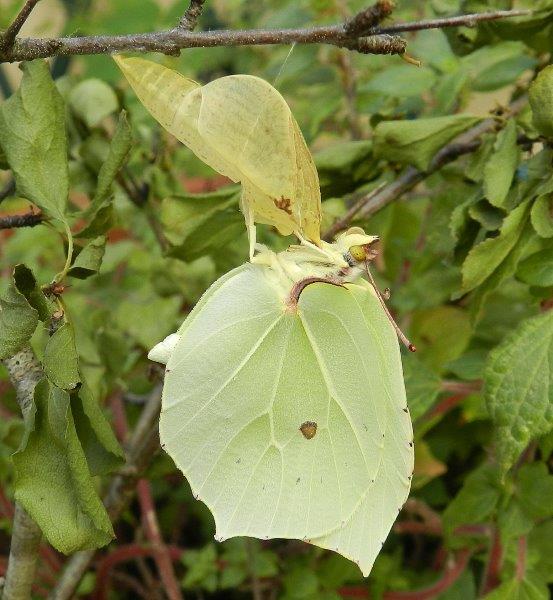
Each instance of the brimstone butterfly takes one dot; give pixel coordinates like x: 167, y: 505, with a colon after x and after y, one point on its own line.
x: 284, y: 402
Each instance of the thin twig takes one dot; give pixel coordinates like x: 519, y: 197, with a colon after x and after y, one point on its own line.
x: 142, y: 447
x: 25, y: 372
x: 173, y: 40
x: 151, y: 528
x: 123, y: 554
x: 30, y: 219
x: 463, y: 144
x: 192, y: 14
x: 470, y: 20
x: 344, y: 221
x: 11, y: 32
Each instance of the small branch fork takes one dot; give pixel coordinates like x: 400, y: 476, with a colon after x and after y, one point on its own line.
x: 361, y: 33
x: 11, y: 32
x: 192, y: 14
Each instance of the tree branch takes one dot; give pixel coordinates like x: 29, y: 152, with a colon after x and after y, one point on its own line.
x: 172, y: 41
x: 368, y: 18
x: 11, y: 32
x: 192, y: 14
x: 30, y: 219
x: 381, y: 197
x: 25, y: 372
x: 470, y: 20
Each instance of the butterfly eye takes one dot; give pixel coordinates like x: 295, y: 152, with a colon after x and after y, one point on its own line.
x: 359, y: 253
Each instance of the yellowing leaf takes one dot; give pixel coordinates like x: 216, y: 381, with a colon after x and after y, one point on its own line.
x: 242, y: 127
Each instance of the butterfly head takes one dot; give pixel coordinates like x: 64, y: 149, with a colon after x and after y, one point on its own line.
x: 357, y: 247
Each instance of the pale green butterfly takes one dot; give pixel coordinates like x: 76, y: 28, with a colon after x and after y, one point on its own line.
x: 283, y: 402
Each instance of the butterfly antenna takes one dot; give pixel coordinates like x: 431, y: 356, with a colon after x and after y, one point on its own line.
x: 400, y: 333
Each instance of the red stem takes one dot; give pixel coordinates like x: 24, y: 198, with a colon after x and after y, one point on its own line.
x: 153, y: 533
x: 6, y: 506
x: 521, y: 558
x: 493, y: 566
x: 124, y: 554
x: 120, y: 424
x: 418, y: 527
x: 448, y: 578
x: 445, y: 405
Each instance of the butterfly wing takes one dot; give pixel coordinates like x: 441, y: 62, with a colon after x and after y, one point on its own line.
x: 242, y: 127
x: 332, y: 316
x: 245, y: 382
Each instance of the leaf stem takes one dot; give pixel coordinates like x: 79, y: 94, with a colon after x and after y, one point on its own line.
x: 60, y: 276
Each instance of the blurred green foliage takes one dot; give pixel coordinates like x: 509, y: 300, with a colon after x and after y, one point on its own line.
x: 468, y: 256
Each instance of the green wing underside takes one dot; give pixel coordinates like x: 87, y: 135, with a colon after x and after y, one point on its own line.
x: 243, y: 378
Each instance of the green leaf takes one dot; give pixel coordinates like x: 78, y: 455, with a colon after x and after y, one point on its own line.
x: 519, y: 387
x: 537, y: 269
x: 422, y: 386
x: 52, y: 480
x: 488, y: 216
x: 503, y: 272
x: 61, y: 363
x: 541, y: 101
x: 102, y: 450
x: 32, y: 134
x: 542, y: 215
x: 92, y: 100
x: 540, y: 543
x: 416, y: 142
x: 500, y: 168
x: 484, y: 258
x: 200, y: 224
x: 119, y: 149
x: 391, y: 81
x: 101, y: 222
x: 18, y: 321
x: 202, y: 568
x: 89, y: 259
x: 513, y: 521
x: 441, y: 334
x: 146, y: 316
x: 496, y: 65
x: 534, y: 485
x: 27, y: 284
x: 476, y: 501
x: 519, y: 590
x: 342, y: 156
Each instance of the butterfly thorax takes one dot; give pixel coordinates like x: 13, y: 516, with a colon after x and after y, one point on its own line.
x: 333, y: 262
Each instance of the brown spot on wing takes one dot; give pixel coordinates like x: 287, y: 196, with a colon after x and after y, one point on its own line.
x: 308, y: 429
x: 283, y: 204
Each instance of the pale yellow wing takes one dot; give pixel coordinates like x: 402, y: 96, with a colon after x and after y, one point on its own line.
x: 174, y: 101
x: 242, y: 127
